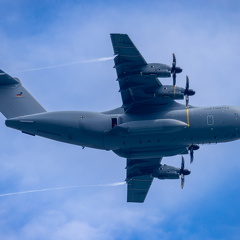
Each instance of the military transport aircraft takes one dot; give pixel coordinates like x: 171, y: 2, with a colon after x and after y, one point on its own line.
x: 148, y: 126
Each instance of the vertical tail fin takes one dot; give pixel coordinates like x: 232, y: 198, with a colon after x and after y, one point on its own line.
x: 15, y: 100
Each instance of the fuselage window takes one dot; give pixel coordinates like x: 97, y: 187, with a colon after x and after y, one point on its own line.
x: 114, y: 122
x: 210, y: 120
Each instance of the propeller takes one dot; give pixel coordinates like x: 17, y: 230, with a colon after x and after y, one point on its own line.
x: 191, y: 149
x: 174, y: 69
x: 188, y: 92
x: 191, y: 154
x: 183, y: 172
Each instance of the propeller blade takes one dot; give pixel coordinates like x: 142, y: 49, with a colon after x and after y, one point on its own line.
x: 187, y: 83
x: 187, y: 100
x: 182, y: 165
x: 183, y: 172
x: 191, y: 154
x: 182, y: 181
x: 174, y: 79
x: 186, y: 92
x: 173, y: 70
x: 192, y: 148
x: 174, y: 60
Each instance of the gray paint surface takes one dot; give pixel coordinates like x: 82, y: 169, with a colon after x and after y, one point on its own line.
x: 150, y: 125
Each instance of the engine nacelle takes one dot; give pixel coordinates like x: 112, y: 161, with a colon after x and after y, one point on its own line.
x: 166, y: 172
x: 169, y: 172
x: 157, y: 69
x: 162, y: 172
x: 174, y: 92
x: 169, y: 91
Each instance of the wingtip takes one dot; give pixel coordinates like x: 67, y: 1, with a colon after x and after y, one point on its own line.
x: 118, y: 34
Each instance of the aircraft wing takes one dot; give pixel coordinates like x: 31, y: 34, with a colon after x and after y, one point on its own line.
x: 138, y: 188
x: 136, y: 88
x: 127, y: 55
x: 139, y: 179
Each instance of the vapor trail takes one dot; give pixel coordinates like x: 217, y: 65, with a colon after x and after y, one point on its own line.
x: 68, y: 64
x: 60, y: 188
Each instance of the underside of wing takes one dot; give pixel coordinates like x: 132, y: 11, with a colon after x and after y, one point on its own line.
x: 138, y: 80
x: 138, y: 188
x: 127, y: 55
x: 137, y: 90
x: 139, y: 178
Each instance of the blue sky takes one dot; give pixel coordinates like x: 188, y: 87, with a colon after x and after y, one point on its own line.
x: 205, y: 38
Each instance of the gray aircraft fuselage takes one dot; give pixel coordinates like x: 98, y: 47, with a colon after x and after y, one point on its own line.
x: 150, y: 124
x: 158, y: 134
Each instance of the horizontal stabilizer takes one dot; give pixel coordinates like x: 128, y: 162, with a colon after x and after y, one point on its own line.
x: 5, y: 79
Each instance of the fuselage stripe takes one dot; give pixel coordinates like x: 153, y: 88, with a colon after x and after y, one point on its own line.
x: 187, y: 115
